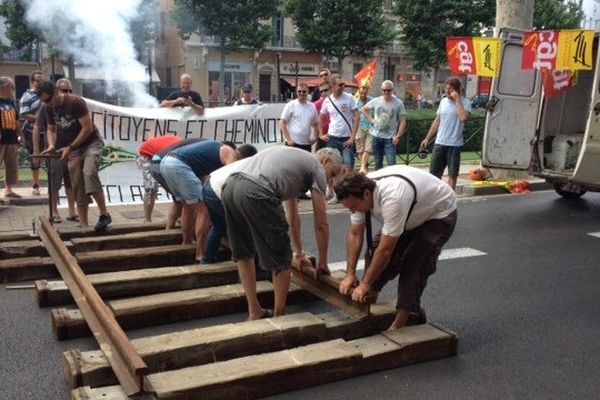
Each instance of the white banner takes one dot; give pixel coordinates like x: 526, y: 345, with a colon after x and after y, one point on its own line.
x: 125, y: 129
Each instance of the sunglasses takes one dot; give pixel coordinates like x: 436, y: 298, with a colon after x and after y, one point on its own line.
x: 341, y: 84
x: 322, y: 75
x: 325, y: 90
x: 65, y: 90
x: 386, y: 90
x: 302, y: 91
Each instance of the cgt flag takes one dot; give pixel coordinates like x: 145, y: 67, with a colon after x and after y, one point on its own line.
x: 474, y: 55
x: 365, y: 75
x: 558, y: 50
x: 557, y: 83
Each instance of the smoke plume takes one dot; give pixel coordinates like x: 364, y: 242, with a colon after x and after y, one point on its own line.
x: 97, y: 35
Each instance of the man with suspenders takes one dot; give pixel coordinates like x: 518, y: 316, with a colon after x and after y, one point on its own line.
x: 418, y: 214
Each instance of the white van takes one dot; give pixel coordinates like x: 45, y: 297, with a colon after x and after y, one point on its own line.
x: 558, y: 138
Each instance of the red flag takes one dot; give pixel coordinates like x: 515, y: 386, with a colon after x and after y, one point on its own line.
x: 366, y: 75
x: 540, y: 50
x: 461, y: 55
x: 557, y: 83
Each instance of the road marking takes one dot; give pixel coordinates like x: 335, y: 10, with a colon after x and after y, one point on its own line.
x: 448, y: 254
x: 595, y: 234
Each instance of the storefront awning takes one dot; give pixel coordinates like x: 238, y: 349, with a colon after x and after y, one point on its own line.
x: 310, y: 82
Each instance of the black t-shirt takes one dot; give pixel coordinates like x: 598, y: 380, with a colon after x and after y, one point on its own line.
x: 195, y: 96
x: 66, y: 120
x: 9, y: 118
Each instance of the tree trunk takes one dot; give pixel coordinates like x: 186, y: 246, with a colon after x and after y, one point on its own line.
x: 341, y: 59
x: 512, y: 14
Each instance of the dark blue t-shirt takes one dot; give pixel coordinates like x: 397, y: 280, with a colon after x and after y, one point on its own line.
x: 203, y: 157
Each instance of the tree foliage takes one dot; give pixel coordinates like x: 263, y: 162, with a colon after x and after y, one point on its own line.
x: 20, y: 34
x: 143, y: 27
x: 234, y: 24
x: 427, y: 24
x: 557, y: 14
x: 341, y: 27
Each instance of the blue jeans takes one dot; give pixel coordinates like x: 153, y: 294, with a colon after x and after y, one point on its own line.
x: 218, y: 229
x: 383, y: 146
x: 347, y: 153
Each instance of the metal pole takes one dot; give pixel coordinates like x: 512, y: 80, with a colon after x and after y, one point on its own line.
x: 296, y: 66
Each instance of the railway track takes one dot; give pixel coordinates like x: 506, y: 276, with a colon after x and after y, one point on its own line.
x: 138, y: 276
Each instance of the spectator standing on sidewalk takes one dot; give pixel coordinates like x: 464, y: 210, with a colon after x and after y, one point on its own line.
x: 299, y: 122
x: 388, y: 122
x: 71, y: 130
x: 59, y: 169
x: 325, y: 75
x: 10, y: 136
x: 364, y: 139
x: 454, y: 110
x: 246, y: 96
x: 185, y: 96
x: 325, y: 89
x: 29, y: 105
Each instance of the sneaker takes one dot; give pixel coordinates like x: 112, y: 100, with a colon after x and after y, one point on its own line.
x: 333, y: 200
x: 36, y: 190
x: 102, y: 223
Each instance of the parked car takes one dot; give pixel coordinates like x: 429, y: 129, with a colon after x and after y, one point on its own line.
x: 479, y: 101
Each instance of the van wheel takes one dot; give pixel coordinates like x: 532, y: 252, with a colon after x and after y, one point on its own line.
x: 573, y: 193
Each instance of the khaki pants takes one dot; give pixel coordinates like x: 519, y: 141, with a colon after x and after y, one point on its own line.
x: 9, y: 156
x: 84, y: 164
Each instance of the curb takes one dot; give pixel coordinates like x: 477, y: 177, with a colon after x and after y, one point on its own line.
x: 474, y: 190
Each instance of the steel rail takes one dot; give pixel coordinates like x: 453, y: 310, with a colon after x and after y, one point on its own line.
x: 124, y: 359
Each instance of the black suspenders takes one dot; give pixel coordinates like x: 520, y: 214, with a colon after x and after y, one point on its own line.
x: 369, y: 249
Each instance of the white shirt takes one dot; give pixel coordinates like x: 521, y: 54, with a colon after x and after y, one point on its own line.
x: 347, y: 105
x: 300, y: 119
x: 218, y: 177
x: 393, y: 196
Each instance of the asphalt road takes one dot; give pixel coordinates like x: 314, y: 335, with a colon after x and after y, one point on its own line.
x: 527, y: 312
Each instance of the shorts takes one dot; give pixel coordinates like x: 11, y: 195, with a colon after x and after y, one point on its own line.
x: 183, y: 182
x: 443, y: 156
x: 9, y: 156
x: 346, y: 152
x: 59, y: 171
x: 256, y: 224
x: 154, y: 169
x: 415, y: 259
x: 84, y: 164
x: 363, y: 141
x: 150, y: 184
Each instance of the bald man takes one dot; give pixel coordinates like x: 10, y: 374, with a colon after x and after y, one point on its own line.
x: 185, y: 96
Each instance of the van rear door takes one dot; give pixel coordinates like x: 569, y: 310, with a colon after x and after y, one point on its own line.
x: 587, y: 169
x: 515, y: 99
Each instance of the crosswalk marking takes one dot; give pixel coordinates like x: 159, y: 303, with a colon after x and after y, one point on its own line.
x: 595, y: 234
x: 449, y: 254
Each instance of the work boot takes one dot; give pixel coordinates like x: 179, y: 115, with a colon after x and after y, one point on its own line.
x: 417, y: 318
x: 102, y: 223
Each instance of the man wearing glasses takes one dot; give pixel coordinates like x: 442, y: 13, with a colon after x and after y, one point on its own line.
x: 71, y: 131
x: 343, y: 114
x: 387, y: 116
x: 324, y: 74
x: 299, y: 116
x: 58, y: 168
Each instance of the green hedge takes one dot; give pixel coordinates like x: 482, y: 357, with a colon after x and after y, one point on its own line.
x: 420, y: 121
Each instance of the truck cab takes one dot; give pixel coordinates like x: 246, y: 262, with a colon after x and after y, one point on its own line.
x: 556, y: 138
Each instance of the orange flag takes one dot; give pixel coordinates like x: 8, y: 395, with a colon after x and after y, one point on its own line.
x: 367, y: 74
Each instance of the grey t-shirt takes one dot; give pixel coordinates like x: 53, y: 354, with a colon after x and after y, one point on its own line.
x: 287, y: 171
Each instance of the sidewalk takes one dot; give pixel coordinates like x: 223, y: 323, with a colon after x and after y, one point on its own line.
x: 19, y: 214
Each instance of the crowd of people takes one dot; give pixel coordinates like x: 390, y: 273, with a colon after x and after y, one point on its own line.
x: 252, y: 197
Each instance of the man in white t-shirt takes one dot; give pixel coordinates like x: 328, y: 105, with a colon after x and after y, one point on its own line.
x: 298, y: 118
x: 418, y: 215
x: 342, y: 109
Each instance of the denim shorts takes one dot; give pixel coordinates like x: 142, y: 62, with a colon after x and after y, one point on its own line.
x: 183, y: 182
x: 347, y: 153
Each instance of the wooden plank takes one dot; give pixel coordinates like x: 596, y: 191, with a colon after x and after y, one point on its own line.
x: 106, y: 393
x: 326, y: 287
x: 22, y: 248
x: 140, y: 258
x: 142, y: 282
x: 260, y: 375
x: 124, y: 359
x: 27, y: 269
x: 186, y: 348
x: 200, y: 346
x: 165, y: 308
x: 266, y: 374
x: 127, y: 240
x: 70, y: 232
x: 16, y: 236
